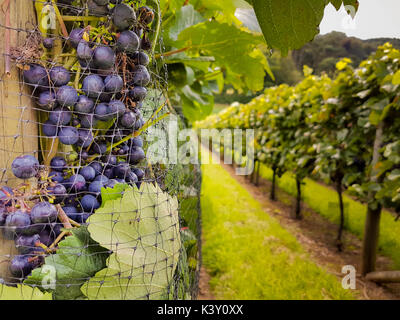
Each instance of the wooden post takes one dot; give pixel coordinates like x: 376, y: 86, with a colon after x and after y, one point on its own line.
x: 18, y: 124
x: 372, y: 221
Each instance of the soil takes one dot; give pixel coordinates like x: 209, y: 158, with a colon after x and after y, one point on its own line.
x: 317, y: 235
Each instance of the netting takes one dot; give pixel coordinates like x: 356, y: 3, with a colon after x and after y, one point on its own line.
x: 91, y: 205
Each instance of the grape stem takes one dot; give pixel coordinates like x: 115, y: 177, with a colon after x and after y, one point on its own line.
x: 63, y: 217
x: 83, y: 18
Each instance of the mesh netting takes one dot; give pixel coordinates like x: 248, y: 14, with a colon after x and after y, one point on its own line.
x: 88, y: 209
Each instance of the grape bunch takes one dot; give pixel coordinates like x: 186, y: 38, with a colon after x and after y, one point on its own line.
x: 93, y: 108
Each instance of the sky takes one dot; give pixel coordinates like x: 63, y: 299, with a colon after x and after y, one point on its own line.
x: 374, y: 19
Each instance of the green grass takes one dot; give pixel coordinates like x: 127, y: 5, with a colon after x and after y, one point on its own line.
x: 324, y: 201
x: 248, y: 254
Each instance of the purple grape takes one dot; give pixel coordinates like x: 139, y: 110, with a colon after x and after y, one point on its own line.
x: 67, y: 96
x: 58, y: 191
x: 68, y: 135
x: 122, y: 170
x: 131, y: 177
x: 47, y: 100
x: 72, y: 212
x: 56, y: 176
x: 99, y: 148
x: 49, y: 129
x: 111, y: 183
x: 44, y: 212
x: 20, y: 267
x: 97, y: 166
x: 76, y: 183
x: 26, y: 244
x: 46, y: 238
x: 136, y: 141
x: 95, y: 187
x: 75, y: 36
x: 109, y: 173
x: 102, y: 178
x: 104, y: 57
x: 145, y: 15
x: 89, y: 203
x: 123, y: 16
x: 58, y: 163
x: 136, y: 154
x: 25, y: 167
x: 113, y: 83
x: 84, y: 105
x: 128, y: 119
x: 117, y: 108
x: 92, y: 86
x: 60, y: 116
x: 88, y: 121
x: 102, y: 112
x: 110, y: 160
x: 88, y: 173
x: 139, y: 173
x: 140, y: 57
x: 128, y: 42
x: 83, y: 51
x: 48, y: 43
x: 36, y: 75
x: 138, y: 93
x: 85, y: 138
x: 59, y: 76
x: 141, y: 76
x: 17, y: 222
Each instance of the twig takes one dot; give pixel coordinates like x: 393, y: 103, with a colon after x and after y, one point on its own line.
x: 63, y: 217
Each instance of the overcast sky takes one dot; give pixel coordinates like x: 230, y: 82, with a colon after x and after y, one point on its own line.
x: 375, y: 19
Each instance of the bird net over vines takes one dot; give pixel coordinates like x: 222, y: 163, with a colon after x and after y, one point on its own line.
x: 88, y: 208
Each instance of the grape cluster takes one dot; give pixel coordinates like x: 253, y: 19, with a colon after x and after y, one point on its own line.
x: 97, y: 112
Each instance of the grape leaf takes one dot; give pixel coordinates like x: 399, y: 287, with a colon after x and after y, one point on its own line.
x: 78, y: 258
x: 289, y: 24
x: 142, y: 230
x: 22, y: 292
x: 232, y: 48
x: 185, y: 17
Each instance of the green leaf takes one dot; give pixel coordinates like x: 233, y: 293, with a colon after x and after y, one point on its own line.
x: 289, y: 24
x: 77, y: 259
x: 22, y: 292
x: 185, y: 18
x: 394, y: 175
x: 233, y: 50
x: 396, y: 78
x: 114, y: 193
x: 142, y: 230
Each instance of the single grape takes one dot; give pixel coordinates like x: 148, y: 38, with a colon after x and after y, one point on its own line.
x: 55, y: 229
x: 109, y: 173
x: 47, y: 100
x: 25, y: 167
x: 99, y: 148
x: 109, y: 160
x: 84, y: 52
x: 136, y: 154
x: 111, y: 183
x: 139, y: 57
x: 104, y: 57
x: 58, y: 191
x: 85, y: 138
x: 139, y: 173
x: 141, y: 76
x: 138, y: 93
x: 49, y: 129
x: 117, y: 108
x: 48, y: 43
x: 17, y: 222
x: 88, y: 173
x: 97, y: 166
x: 137, y: 141
x: 95, y: 187
x: 75, y: 36
x: 60, y: 116
x: 122, y: 170
x: 89, y: 203
x: 20, y: 267
x: 76, y: 183
x: 92, y: 86
x: 67, y: 96
x: 131, y: 177
x: 58, y: 163
x: 44, y: 212
x: 36, y: 75
x: 102, y: 112
x: 102, y: 178
x: 84, y: 105
x: 128, y: 42
x: 128, y: 119
x: 72, y: 212
x: 26, y: 244
x: 123, y: 16
x: 45, y: 237
x: 88, y: 121
x: 113, y: 83
x: 68, y: 135
x: 59, y: 76
x: 95, y: 9
x: 56, y: 176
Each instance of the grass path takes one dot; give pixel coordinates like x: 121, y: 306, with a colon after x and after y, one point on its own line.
x: 247, y: 252
x: 325, y: 201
